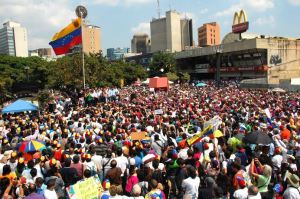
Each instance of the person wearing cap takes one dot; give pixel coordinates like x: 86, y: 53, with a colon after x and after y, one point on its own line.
x: 13, y: 161
x: 90, y: 165
x: 291, y: 162
x: 106, y: 187
x: 277, y: 159
x: 242, y: 191
x: 293, y: 190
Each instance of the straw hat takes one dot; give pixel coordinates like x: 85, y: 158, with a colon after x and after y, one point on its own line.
x: 293, y: 180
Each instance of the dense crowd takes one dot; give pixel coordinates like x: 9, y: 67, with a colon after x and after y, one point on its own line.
x: 252, y: 152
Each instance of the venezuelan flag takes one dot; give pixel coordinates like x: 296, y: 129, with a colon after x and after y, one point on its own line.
x: 67, y: 38
x: 196, y: 138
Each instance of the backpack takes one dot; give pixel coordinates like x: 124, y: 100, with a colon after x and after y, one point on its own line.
x: 92, y: 169
x: 144, y: 189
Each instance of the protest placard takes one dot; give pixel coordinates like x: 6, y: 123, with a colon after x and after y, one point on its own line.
x: 86, y: 189
x: 138, y: 135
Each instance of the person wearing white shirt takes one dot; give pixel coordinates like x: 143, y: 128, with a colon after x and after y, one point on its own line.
x: 122, y: 161
x: 277, y: 159
x: 293, y: 190
x: 242, y: 191
x: 191, y: 184
x: 50, y: 193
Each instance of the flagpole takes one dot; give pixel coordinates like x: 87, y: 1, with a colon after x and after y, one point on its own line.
x: 83, y: 69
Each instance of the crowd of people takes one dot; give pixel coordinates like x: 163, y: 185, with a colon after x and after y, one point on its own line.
x: 92, y: 135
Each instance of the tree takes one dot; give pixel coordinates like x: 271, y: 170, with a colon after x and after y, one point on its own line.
x: 163, y: 60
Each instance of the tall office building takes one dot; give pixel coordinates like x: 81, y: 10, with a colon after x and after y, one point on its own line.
x: 171, y: 33
x: 140, y: 43
x: 13, y: 40
x: 209, y: 34
x: 91, y: 39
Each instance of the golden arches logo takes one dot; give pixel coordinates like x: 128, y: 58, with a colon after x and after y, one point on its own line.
x: 240, y: 22
x: 238, y: 16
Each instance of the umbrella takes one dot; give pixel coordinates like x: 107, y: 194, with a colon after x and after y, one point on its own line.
x: 200, y: 84
x: 31, y: 146
x: 218, y: 134
x: 258, y: 137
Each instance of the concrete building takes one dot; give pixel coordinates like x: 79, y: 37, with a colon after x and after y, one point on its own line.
x: 140, y: 43
x: 268, y: 60
x: 209, y: 34
x: 91, y: 39
x: 13, y: 40
x: 170, y: 33
x: 45, y: 52
x: 186, y: 33
x: 117, y: 53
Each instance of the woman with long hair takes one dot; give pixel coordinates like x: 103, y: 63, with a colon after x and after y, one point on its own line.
x: 263, y: 178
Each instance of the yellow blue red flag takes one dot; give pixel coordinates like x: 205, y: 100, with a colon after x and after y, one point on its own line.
x: 196, y: 138
x: 67, y: 38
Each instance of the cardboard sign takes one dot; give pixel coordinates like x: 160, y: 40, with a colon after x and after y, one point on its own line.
x: 87, y: 189
x: 138, y: 135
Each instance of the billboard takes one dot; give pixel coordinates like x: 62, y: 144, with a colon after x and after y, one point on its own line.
x: 240, y: 22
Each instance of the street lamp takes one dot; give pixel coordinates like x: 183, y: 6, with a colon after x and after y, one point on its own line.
x: 218, y: 49
x: 27, y: 75
x: 162, y: 70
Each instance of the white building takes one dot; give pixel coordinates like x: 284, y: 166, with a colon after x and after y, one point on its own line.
x: 13, y: 40
x: 171, y: 33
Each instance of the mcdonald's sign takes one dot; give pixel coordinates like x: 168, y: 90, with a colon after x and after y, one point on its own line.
x: 240, y: 22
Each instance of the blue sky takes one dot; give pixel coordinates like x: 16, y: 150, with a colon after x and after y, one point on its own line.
x: 120, y: 19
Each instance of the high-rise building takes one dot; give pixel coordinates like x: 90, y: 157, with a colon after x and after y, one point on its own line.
x: 13, y: 40
x: 117, y: 53
x: 140, y: 43
x: 186, y: 32
x: 209, y: 34
x: 171, y: 33
x: 91, y: 39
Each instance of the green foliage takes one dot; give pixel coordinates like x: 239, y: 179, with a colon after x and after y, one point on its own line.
x: 13, y: 71
x: 65, y: 71
x: 172, y: 76
x: 163, y: 60
x: 43, y: 97
x: 186, y: 77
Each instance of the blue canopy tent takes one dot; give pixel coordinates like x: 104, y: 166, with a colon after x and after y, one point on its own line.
x: 200, y: 84
x: 19, y: 106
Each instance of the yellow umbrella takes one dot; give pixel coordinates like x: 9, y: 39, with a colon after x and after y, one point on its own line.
x: 218, y: 134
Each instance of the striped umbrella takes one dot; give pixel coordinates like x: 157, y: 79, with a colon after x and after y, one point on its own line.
x: 31, y: 146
